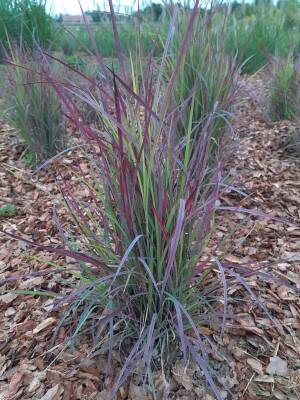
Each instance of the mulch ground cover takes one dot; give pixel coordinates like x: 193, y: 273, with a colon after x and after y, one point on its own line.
x: 263, y: 354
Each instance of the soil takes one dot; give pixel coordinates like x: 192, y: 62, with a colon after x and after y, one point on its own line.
x: 263, y: 354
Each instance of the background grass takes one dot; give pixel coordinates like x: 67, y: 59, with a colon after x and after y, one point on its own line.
x: 25, y: 22
x: 207, y: 73
x: 31, y: 105
x: 284, y: 88
x: 76, y: 39
x: 253, y: 32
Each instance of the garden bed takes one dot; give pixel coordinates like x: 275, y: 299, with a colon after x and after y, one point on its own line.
x: 269, y: 181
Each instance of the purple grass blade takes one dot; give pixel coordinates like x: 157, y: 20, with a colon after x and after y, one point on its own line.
x: 150, y: 274
x: 225, y: 291
x: 256, y: 213
x: 204, y: 368
x: 235, y: 189
x: 243, y: 283
x: 126, y: 370
x: 69, y: 67
x: 117, y: 39
x: 125, y: 256
x: 56, y: 157
x: 160, y: 222
x: 8, y: 62
x: 193, y: 326
x: 86, y: 49
x: 74, y: 117
x: 134, y: 95
x: 174, y: 243
x: 34, y: 274
x: 181, y: 330
x: 92, y: 285
x: 82, y: 75
x: 80, y: 94
x: 258, y: 271
x: 62, y: 252
x: 147, y: 356
x: 110, y: 341
x: 123, y: 164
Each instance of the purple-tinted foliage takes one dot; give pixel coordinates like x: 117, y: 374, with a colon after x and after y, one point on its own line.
x: 152, y: 194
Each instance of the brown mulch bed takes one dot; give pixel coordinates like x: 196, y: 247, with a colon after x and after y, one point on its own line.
x: 268, y: 176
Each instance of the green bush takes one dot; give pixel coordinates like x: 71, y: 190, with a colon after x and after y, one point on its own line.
x: 104, y: 39
x: 284, y: 88
x: 68, y: 45
x: 254, y: 39
x: 26, y: 22
x: 291, y: 11
x: 31, y: 104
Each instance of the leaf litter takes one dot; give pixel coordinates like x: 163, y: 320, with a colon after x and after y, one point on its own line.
x: 262, y: 354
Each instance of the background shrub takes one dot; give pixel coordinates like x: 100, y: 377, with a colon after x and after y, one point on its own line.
x: 68, y: 44
x: 79, y: 39
x: 284, y: 88
x: 255, y: 38
x: 208, y: 79
x: 31, y: 104
x: 25, y: 22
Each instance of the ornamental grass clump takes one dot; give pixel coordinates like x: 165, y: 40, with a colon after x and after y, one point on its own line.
x: 139, y: 284
x: 31, y: 104
x: 284, y: 97
x: 26, y: 22
x: 253, y: 39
